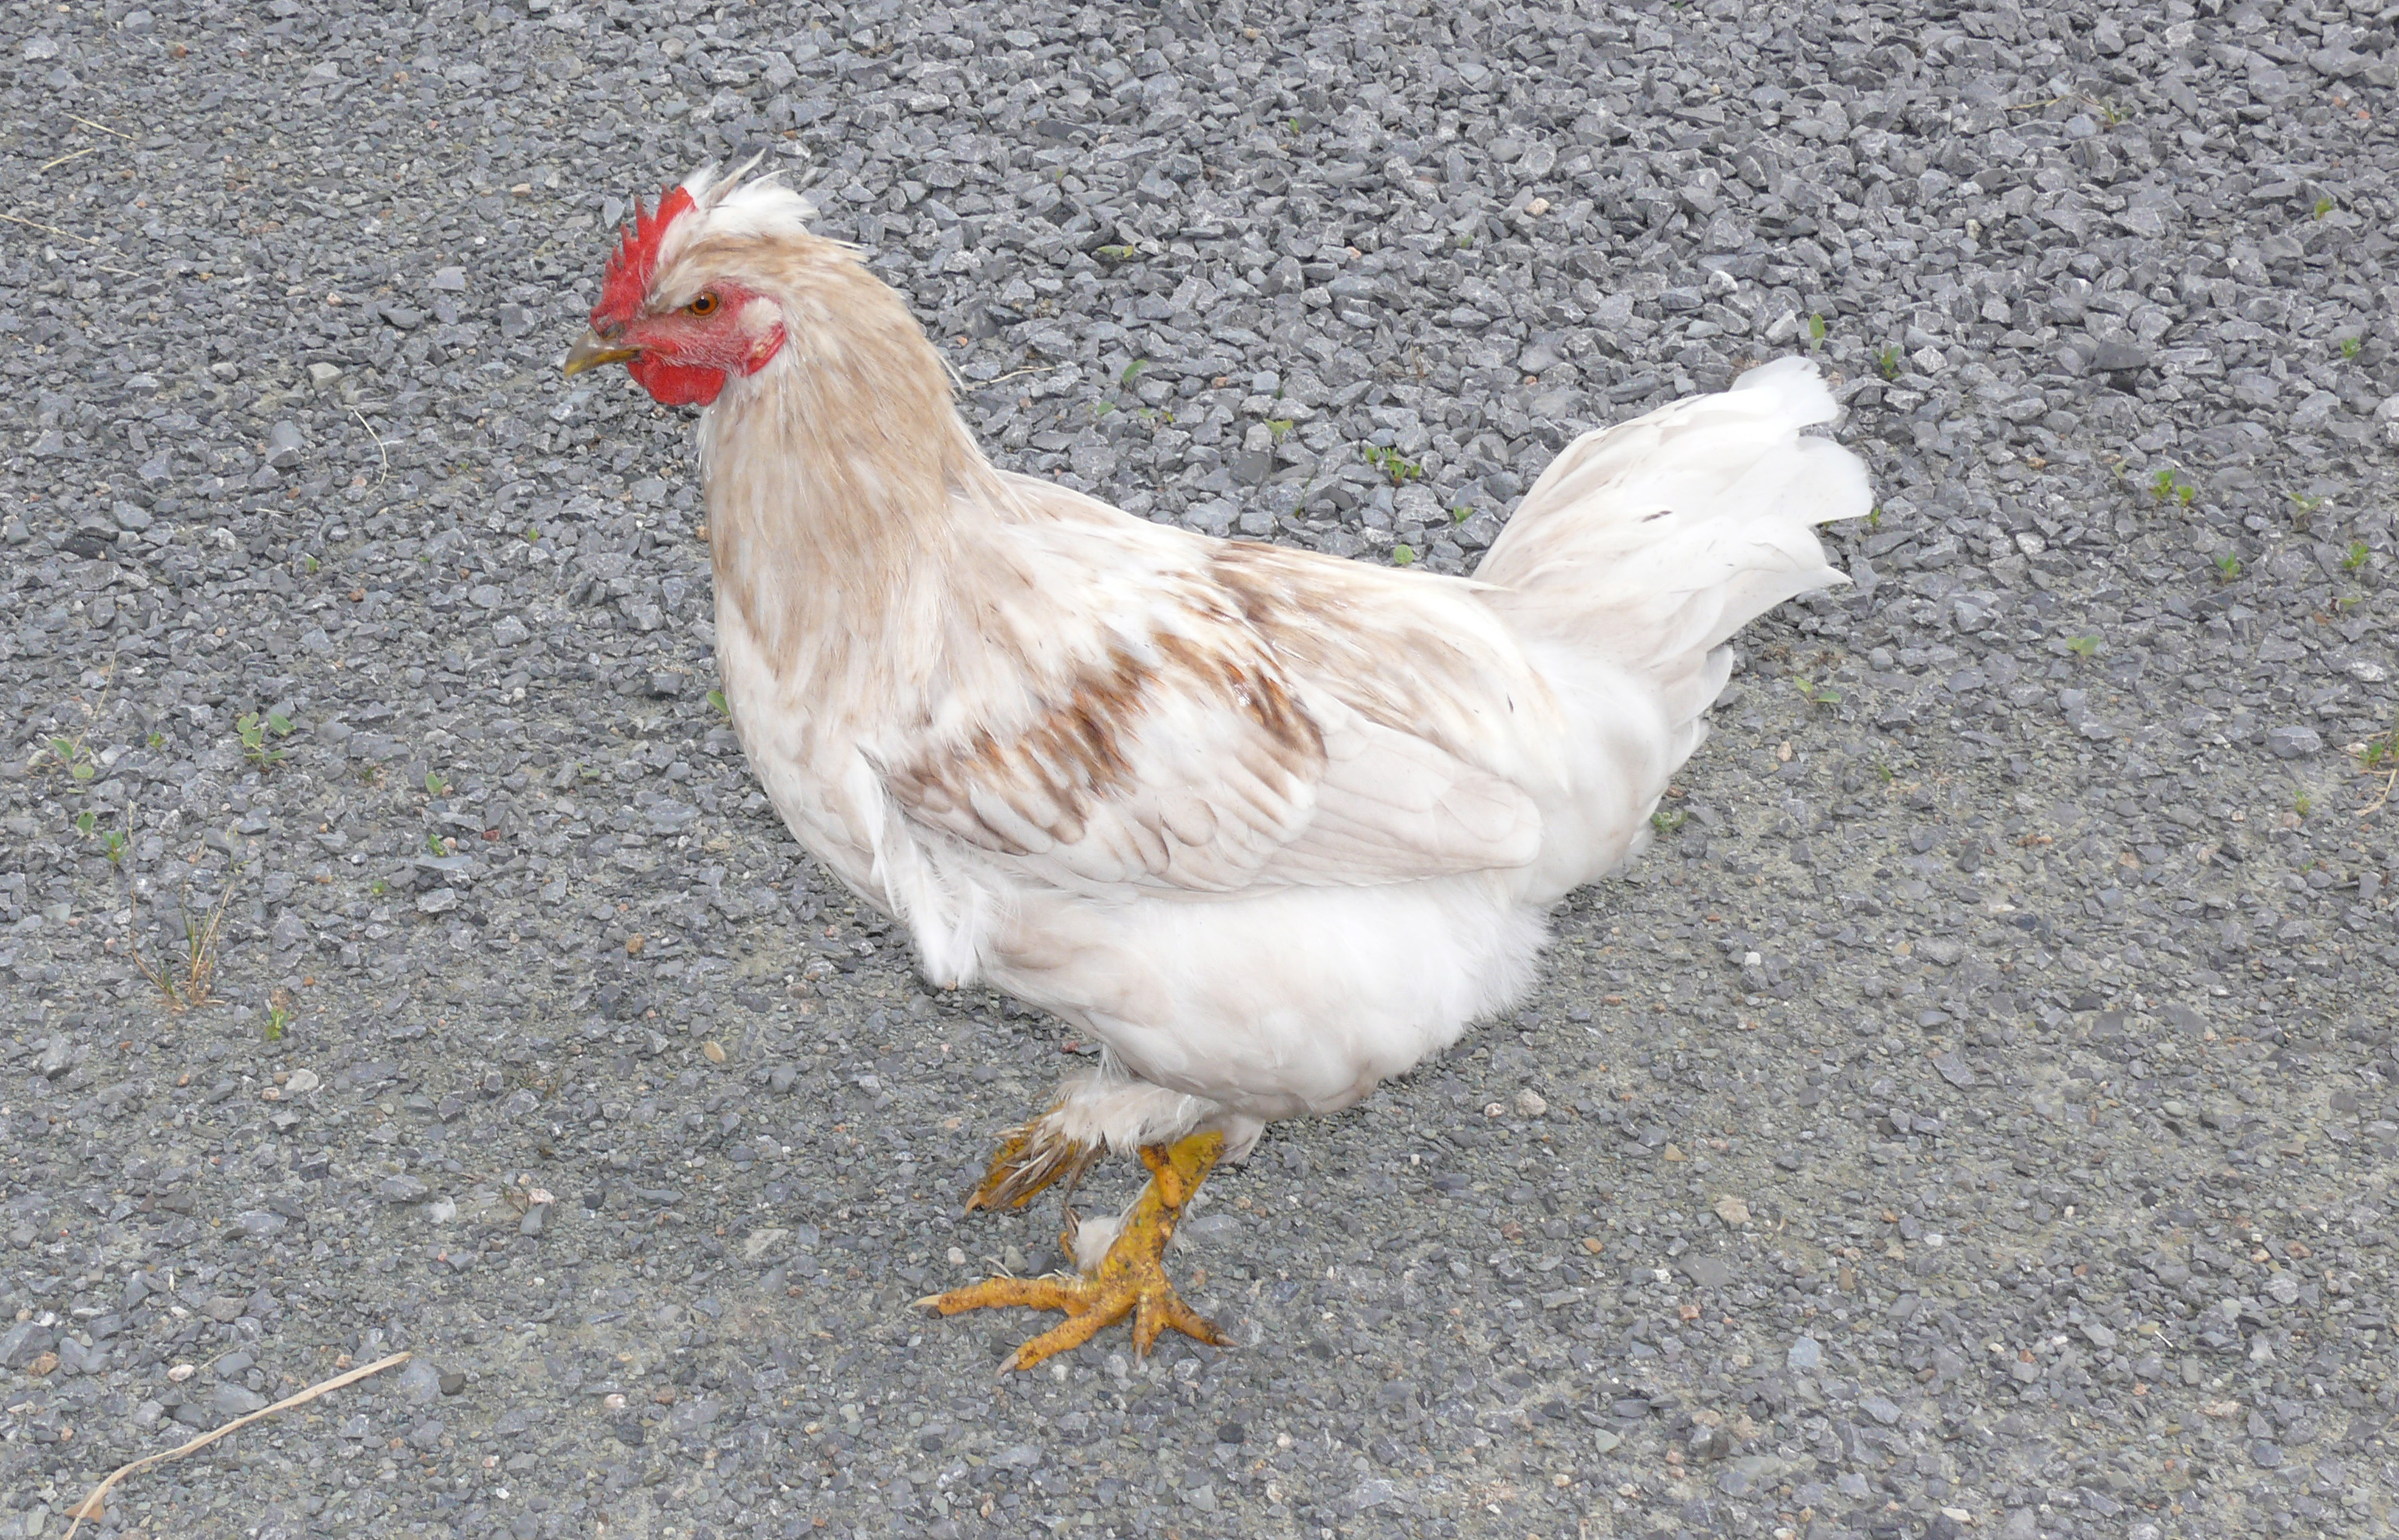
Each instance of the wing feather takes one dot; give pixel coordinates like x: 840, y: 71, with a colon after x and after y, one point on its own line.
x: 1205, y: 720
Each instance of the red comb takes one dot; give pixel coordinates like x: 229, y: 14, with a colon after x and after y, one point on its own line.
x: 627, y: 280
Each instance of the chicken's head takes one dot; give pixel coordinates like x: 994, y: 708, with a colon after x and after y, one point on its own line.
x: 681, y: 328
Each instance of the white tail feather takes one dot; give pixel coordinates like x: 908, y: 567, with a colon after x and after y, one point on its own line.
x: 1661, y: 537
x: 1640, y: 551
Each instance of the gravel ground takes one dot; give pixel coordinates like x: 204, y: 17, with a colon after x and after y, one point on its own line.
x: 1978, y: 1116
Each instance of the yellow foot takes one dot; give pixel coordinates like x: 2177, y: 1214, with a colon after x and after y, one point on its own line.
x: 1130, y: 1280
x: 1030, y: 1159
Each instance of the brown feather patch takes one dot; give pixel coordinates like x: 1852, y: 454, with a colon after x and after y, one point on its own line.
x: 1077, y: 750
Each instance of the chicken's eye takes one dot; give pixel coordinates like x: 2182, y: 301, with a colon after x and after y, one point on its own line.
x: 704, y: 304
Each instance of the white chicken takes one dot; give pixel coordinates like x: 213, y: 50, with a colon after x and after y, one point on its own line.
x: 1272, y: 826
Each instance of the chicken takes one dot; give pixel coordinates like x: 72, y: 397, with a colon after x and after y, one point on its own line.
x: 1271, y: 826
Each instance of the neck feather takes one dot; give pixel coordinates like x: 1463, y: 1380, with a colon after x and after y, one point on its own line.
x: 837, y: 478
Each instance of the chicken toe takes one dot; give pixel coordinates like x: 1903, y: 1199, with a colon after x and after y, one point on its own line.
x: 1129, y: 1281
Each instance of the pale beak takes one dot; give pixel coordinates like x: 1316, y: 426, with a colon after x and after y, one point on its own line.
x: 592, y: 351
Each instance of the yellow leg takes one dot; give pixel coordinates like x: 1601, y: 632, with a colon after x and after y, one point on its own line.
x: 1130, y: 1280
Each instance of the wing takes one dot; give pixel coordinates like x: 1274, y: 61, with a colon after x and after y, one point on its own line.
x: 1149, y: 710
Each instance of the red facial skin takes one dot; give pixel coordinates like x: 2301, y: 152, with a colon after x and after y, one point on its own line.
x: 685, y: 360
x: 686, y: 355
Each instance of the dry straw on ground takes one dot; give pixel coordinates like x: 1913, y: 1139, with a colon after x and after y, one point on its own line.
x: 94, y: 1505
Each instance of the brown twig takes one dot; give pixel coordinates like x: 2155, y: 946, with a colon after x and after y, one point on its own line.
x: 1018, y: 374
x: 54, y: 230
x: 93, y: 1507
x: 2377, y: 804
x: 2083, y: 97
x: 101, y: 127
x: 69, y: 235
x: 378, y: 444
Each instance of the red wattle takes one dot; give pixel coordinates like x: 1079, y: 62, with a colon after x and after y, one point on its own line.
x: 676, y: 385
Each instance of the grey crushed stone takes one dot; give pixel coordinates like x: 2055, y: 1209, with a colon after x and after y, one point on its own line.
x: 2022, y: 962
